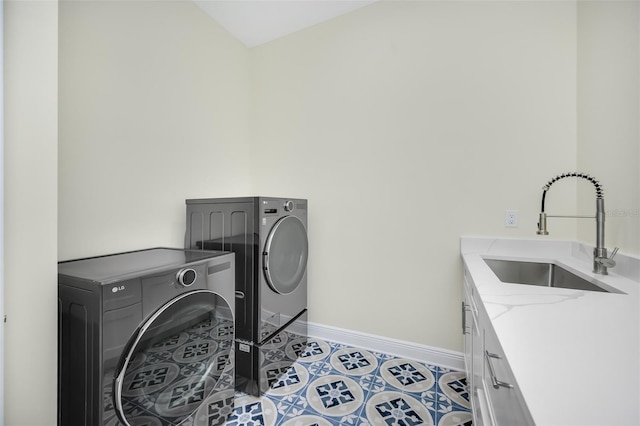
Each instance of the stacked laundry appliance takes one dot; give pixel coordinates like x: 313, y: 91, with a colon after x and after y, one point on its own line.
x: 269, y: 238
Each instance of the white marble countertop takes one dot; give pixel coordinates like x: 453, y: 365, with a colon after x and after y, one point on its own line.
x: 575, y: 354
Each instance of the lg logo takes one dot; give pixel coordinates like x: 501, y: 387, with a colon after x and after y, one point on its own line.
x: 117, y: 289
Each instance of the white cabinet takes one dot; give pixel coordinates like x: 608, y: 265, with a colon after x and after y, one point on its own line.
x: 495, y: 397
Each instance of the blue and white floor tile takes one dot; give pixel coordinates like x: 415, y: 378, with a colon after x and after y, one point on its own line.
x: 334, y: 384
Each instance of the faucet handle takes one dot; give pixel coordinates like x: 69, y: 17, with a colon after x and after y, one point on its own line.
x: 608, y: 262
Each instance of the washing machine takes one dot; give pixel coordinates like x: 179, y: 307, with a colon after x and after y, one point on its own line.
x: 269, y: 237
x: 146, y: 337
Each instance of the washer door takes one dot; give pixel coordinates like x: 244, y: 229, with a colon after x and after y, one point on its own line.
x: 179, y: 364
x: 285, y: 255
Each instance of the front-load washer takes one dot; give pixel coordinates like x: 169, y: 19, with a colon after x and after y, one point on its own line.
x: 146, y: 337
x: 269, y: 237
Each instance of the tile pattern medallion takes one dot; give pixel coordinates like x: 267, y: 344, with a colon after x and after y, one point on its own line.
x: 329, y: 384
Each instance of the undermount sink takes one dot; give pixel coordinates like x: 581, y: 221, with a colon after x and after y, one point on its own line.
x: 540, y: 274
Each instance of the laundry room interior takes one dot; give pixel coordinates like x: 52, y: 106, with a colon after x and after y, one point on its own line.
x: 406, y: 125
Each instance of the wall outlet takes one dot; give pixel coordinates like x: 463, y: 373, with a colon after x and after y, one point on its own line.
x: 511, y: 218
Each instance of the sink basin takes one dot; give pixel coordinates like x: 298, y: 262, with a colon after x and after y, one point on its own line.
x: 540, y: 274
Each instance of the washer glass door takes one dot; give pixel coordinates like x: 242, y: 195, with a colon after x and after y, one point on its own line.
x: 178, y: 364
x: 285, y: 255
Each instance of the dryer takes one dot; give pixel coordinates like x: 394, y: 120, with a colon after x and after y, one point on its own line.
x: 269, y: 237
x: 146, y: 337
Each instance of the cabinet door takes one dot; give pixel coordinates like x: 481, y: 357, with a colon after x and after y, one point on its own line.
x: 481, y: 409
x: 467, y: 325
x: 473, y: 349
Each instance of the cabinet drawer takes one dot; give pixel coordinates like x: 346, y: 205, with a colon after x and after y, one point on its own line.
x: 506, y: 403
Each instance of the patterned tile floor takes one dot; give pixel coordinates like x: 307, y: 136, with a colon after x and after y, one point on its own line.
x: 334, y: 384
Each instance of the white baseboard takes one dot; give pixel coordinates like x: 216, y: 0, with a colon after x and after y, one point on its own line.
x: 422, y: 353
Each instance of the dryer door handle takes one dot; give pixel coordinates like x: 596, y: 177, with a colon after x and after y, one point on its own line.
x: 265, y: 260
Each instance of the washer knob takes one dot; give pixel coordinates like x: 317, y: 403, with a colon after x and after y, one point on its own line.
x: 187, y: 277
x: 288, y: 206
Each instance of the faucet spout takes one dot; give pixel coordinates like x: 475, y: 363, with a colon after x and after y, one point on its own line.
x: 600, y: 252
x: 600, y: 260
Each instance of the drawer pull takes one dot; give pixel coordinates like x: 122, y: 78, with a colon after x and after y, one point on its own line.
x: 497, y: 384
x: 465, y: 308
x: 464, y: 318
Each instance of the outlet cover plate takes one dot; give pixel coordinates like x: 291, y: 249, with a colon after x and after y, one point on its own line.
x: 511, y: 218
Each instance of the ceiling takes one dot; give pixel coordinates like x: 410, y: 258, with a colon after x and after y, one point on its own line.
x: 255, y: 22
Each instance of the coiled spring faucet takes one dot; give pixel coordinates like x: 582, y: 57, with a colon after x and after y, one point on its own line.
x: 600, y: 260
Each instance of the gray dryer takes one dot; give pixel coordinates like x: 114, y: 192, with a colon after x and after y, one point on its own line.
x: 269, y: 237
